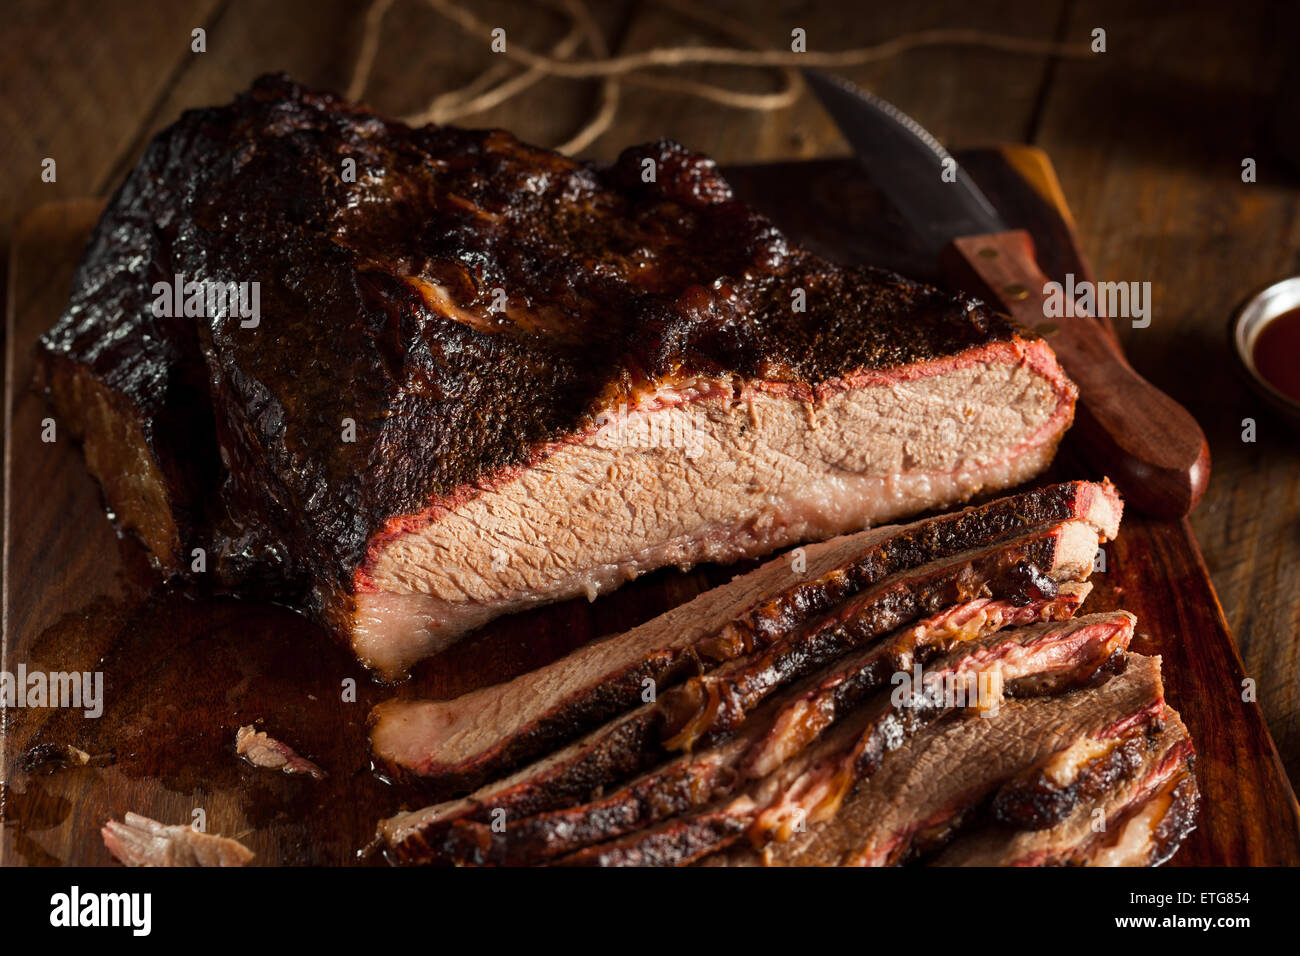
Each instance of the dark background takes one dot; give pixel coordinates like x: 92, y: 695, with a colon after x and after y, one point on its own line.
x: 1147, y: 140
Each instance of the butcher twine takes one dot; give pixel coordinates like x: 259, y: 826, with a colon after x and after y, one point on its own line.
x: 480, y: 94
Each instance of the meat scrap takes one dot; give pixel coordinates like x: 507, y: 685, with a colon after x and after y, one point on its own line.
x: 262, y: 750
x: 139, y: 841
x: 47, y: 758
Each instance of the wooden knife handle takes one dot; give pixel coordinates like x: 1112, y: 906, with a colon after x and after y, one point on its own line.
x: 1147, y: 443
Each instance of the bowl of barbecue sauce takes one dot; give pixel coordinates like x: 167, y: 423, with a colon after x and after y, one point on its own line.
x: 1265, y: 334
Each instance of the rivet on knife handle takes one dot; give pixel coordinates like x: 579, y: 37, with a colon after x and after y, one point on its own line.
x: 1147, y: 443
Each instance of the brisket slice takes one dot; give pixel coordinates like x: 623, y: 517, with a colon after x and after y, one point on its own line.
x: 556, y: 377
x: 411, y: 736
x: 941, y: 776
x: 827, y: 696
x: 1049, y: 658
x: 574, y: 774
x: 1043, y: 796
x: 1129, y: 798
x: 811, y: 786
x: 691, y: 781
x: 578, y: 773
x: 713, y: 704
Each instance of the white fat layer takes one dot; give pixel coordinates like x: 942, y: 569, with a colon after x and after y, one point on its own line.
x: 1136, y: 839
x: 1063, y: 769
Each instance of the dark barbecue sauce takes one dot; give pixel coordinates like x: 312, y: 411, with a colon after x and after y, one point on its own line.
x: 1277, y: 353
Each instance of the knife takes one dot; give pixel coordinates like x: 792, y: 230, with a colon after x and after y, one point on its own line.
x: 1147, y: 443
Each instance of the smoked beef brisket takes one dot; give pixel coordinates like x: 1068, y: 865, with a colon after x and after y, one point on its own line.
x: 808, y: 783
x: 484, y: 376
x: 927, y: 789
x: 587, y: 768
x: 909, y: 692
x: 1146, y: 802
x: 756, y: 633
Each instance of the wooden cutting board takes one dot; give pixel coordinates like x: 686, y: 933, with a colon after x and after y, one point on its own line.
x: 181, y: 675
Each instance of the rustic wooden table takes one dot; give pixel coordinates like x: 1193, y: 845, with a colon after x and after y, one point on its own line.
x: 1148, y: 140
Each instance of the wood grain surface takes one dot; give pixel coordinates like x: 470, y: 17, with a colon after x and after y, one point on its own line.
x: 182, y: 675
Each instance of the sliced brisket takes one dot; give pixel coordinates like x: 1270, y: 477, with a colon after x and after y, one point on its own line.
x: 1043, y: 796
x: 578, y: 773
x: 1050, y: 658
x: 810, y: 786
x: 841, y: 687
x: 465, y: 741
x: 574, y: 774
x: 716, y: 702
x: 484, y: 376
x: 924, y: 790
x: 1127, y: 793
